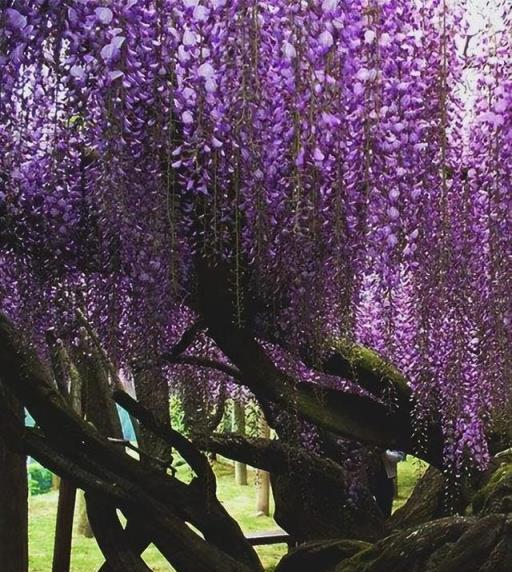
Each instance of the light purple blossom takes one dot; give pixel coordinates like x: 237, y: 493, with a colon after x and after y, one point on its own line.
x: 16, y: 19
x: 369, y: 203
x: 104, y: 15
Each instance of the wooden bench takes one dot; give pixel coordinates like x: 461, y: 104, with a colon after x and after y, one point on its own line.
x: 271, y: 537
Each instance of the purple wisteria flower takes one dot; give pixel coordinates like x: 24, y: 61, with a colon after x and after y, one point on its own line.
x: 322, y: 148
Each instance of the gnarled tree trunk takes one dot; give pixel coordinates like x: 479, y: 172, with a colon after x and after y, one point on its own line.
x: 152, y: 392
x: 310, y: 492
x: 164, y: 506
x: 75, y: 450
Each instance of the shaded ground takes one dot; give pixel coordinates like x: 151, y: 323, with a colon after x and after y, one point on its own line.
x: 239, y: 501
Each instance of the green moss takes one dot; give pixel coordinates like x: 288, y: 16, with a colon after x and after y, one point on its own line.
x: 365, y: 359
x: 357, y: 562
x: 501, y: 478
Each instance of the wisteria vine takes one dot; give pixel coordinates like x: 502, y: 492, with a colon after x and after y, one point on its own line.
x: 323, y: 147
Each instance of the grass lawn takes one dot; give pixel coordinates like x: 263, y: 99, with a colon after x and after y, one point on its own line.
x: 239, y: 501
x: 408, y: 474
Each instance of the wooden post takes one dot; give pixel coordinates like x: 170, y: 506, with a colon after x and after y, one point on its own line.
x: 69, y: 383
x: 83, y: 525
x: 263, y: 479
x: 64, y: 527
x: 239, y: 427
x: 55, y: 482
x: 13, y: 505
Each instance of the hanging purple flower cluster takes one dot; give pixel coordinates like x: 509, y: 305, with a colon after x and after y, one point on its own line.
x: 323, y: 145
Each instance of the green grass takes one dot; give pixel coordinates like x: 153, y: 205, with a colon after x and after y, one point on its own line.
x: 86, y: 556
x: 239, y: 501
x: 408, y: 474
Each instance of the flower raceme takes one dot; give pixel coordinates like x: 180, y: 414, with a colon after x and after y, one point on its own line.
x: 326, y: 146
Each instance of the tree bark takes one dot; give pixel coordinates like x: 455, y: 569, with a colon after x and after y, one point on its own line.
x: 120, y: 554
x: 13, y: 500
x: 75, y: 450
x: 152, y: 392
x: 452, y: 544
x: 358, y: 417
x: 310, y: 492
x: 320, y: 556
x: 122, y: 548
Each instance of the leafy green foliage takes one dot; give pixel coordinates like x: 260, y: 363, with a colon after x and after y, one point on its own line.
x: 40, y: 479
